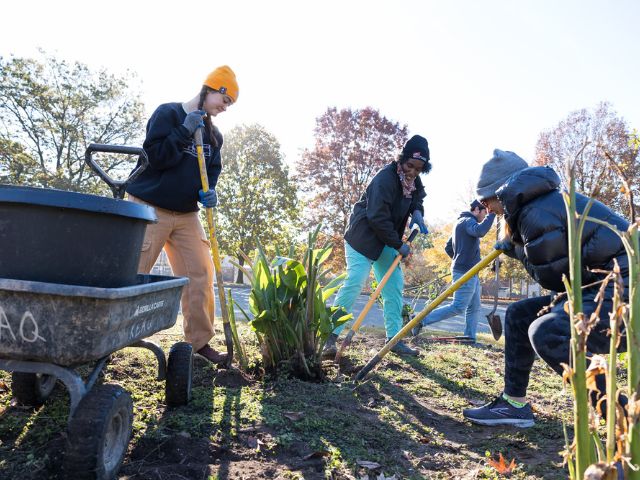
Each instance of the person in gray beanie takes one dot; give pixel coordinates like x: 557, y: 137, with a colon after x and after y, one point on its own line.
x: 535, y: 219
x: 497, y: 171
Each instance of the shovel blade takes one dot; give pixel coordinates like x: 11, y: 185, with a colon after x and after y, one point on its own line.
x: 495, y: 324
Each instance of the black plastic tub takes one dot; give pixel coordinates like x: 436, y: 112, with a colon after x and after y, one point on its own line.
x: 70, y: 238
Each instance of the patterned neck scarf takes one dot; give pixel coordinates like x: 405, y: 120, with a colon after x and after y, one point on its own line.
x: 408, y: 186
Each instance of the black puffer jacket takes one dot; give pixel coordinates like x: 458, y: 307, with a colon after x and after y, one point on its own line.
x: 536, y: 214
x: 380, y: 216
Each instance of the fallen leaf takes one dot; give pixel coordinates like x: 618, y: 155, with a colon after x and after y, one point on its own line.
x: 468, y: 372
x: 3, y: 387
x: 501, y: 466
x: 316, y: 454
x: 368, y: 465
x: 293, y: 416
x: 424, y: 440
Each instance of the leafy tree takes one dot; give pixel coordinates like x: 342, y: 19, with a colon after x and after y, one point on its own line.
x: 258, y: 200
x: 50, y: 110
x: 351, y: 146
x: 604, y: 133
x: 431, y: 262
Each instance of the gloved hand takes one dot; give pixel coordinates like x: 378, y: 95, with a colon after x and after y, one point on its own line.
x: 193, y: 121
x: 404, y: 250
x: 504, y: 245
x: 209, y: 199
x: 416, y: 219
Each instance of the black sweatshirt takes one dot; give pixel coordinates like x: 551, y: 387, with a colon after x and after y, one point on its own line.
x: 380, y: 216
x: 172, y: 179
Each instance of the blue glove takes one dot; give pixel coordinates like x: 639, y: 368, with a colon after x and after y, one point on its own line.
x: 504, y: 245
x: 404, y: 250
x: 209, y: 199
x: 416, y: 219
x: 193, y: 121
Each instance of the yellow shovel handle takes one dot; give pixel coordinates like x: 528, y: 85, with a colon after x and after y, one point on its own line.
x: 418, y: 318
x: 215, y: 252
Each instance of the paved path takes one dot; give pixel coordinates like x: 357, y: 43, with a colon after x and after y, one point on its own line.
x: 374, y: 318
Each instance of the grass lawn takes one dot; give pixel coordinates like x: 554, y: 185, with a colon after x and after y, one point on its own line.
x: 404, y: 422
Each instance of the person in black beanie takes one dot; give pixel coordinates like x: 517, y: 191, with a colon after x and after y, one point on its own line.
x: 535, y: 220
x: 374, y: 236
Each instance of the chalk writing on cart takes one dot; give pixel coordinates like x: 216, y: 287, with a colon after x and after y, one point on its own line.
x: 26, y: 330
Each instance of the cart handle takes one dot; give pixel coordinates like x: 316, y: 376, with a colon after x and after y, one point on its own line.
x: 117, y: 187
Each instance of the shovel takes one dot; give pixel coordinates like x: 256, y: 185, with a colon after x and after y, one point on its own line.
x: 493, y: 319
x: 215, y: 253
x: 418, y: 318
x: 372, y: 299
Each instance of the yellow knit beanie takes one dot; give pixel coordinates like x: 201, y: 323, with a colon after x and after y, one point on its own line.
x: 223, y: 80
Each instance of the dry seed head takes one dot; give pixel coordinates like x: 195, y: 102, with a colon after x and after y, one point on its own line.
x: 567, y: 374
x: 597, y: 366
x: 601, y: 471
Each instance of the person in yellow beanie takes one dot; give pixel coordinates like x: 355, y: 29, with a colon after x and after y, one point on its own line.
x: 171, y: 184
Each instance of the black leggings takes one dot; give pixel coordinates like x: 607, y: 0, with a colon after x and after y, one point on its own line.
x: 548, y: 335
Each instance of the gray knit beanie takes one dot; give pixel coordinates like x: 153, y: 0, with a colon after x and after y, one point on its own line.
x: 496, y: 171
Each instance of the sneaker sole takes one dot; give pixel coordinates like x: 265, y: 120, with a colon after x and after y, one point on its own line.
x: 503, y: 421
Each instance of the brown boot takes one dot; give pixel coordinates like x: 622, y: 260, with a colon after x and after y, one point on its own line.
x: 212, y: 355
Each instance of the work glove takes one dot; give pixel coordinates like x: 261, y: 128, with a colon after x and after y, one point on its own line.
x: 404, y: 250
x: 416, y: 219
x: 209, y: 199
x: 504, y: 245
x: 193, y: 121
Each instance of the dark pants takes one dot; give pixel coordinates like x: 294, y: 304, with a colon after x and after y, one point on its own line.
x: 548, y: 335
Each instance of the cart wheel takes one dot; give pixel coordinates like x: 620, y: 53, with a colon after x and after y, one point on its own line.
x: 99, y: 433
x: 32, y: 388
x: 179, y: 366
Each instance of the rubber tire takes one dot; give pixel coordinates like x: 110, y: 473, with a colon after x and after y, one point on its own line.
x: 32, y: 388
x: 179, y: 371
x: 94, y: 451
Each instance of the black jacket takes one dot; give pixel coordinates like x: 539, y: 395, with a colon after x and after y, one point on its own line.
x: 464, y: 245
x: 536, y: 214
x: 380, y: 216
x: 172, y: 179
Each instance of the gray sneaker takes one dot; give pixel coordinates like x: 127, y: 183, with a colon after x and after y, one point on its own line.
x: 500, y: 412
x: 330, y: 348
x: 402, y: 348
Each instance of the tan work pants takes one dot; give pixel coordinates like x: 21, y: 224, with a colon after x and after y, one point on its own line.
x: 184, y: 240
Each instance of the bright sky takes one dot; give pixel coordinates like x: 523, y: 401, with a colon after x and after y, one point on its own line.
x: 470, y: 75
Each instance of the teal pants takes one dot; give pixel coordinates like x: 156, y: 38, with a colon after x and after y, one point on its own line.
x: 358, y: 269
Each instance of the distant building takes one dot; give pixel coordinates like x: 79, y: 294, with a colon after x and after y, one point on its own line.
x: 162, y: 267
x: 229, y: 271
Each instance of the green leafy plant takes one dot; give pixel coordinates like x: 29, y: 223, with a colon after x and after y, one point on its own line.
x: 290, y: 316
x: 407, y: 313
